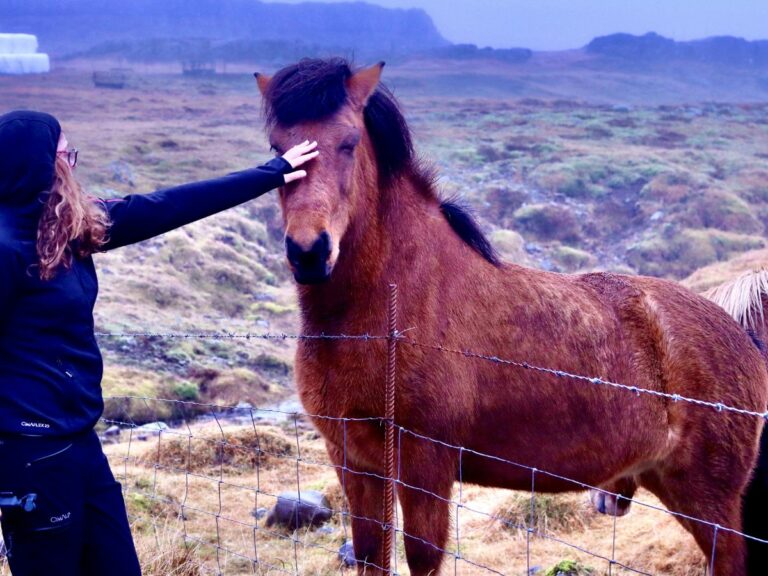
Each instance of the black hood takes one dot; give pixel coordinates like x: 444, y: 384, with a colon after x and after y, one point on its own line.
x: 28, y: 142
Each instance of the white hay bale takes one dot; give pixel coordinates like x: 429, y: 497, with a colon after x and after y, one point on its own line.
x: 24, y: 63
x: 18, y: 44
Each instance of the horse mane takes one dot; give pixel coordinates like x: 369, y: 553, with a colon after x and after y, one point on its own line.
x: 315, y: 89
x: 466, y: 227
x: 742, y: 298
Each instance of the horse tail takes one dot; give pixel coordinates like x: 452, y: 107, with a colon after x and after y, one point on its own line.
x: 745, y: 299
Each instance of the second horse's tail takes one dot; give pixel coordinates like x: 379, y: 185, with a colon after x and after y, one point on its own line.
x: 746, y: 300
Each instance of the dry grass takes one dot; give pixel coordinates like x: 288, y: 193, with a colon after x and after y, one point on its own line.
x: 714, y: 275
x: 552, y: 514
x: 237, y: 450
x: 167, y: 554
x: 213, y: 505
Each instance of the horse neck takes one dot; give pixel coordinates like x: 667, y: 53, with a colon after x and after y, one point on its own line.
x: 388, y: 235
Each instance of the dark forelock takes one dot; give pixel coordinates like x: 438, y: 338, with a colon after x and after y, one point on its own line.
x: 315, y: 89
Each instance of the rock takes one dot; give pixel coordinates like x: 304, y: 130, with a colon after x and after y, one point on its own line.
x: 113, y: 430
x: 150, y: 429
x: 347, y: 554
x: 259, y: 513
x: 326, y: 529
x: 243, y: 406
x: 263, y: 297
x: 294, y: 511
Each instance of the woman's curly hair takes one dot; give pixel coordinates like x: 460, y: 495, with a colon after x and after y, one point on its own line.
x: 72, y: 225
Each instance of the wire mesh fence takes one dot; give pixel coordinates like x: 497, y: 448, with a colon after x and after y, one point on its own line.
x: 218, y: 475
x: 205, y: 491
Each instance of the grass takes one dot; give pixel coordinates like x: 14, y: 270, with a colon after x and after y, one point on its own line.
x: 547, y: 514
x: 211, y: 501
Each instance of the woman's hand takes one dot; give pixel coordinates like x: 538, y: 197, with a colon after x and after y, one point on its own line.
x: 297, y: 156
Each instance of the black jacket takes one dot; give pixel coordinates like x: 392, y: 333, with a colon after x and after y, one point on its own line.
x: 50, y: 364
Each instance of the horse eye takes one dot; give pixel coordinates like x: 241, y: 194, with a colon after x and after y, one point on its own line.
x: 347, y: 148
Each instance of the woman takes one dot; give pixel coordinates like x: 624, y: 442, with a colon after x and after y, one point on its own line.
x: 62, y: 510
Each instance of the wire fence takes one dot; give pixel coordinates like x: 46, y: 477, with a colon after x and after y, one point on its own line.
x: 219, y: 473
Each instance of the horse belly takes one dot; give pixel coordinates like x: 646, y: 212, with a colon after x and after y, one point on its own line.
x: 589, y: 436
x: 491, y: 472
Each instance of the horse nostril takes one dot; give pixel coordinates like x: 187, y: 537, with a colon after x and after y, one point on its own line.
x: 317, y: 254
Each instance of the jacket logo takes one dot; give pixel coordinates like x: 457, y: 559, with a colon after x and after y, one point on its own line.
x: 35, y: 424
x: 62, y: 518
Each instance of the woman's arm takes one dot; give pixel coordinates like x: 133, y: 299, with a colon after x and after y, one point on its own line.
x: 141, y: 216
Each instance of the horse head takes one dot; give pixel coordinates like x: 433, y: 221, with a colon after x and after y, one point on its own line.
x: 324, y: 100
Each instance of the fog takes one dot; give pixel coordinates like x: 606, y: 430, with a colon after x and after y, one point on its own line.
x: 563, y: 24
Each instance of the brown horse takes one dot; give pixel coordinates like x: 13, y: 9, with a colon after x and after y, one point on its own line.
x: 367, y: 215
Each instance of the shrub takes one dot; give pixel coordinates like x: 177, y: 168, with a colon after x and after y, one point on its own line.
x: 678, y: 253
x: 549, y: 222
x: 510, y: 245
x: 186, y: 390
x: 723, y: 210
x: 572, y: 259
x: 240, y: 450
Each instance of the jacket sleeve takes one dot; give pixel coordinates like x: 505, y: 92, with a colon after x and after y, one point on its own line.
x: 141, y: 216
x: 10, y: 270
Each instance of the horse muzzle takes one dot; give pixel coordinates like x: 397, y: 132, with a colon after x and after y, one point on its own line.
x: 312, y: 265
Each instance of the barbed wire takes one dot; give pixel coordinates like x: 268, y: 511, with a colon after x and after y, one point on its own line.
x: 400, y: 336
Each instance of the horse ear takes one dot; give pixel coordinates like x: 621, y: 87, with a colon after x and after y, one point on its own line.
x: 262, y: 80
x: 362, y: 84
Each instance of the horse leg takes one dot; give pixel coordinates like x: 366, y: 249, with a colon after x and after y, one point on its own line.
x: 698, y: 497
x: 365, y: 495
x: 424, y: 494
x: 615, y: 498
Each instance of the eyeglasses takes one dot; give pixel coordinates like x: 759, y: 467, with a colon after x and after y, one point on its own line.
x: 71, y: 156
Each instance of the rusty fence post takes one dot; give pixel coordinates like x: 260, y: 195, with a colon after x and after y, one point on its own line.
x: 389, y: 433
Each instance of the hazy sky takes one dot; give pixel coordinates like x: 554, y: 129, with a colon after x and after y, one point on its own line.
x: 559, y: 24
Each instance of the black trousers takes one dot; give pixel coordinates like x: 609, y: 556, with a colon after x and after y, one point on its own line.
x: 79, y: 526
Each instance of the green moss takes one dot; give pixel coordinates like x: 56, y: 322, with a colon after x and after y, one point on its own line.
x: 569, y: 568
x: 273, y: 308
x: 186, y: 390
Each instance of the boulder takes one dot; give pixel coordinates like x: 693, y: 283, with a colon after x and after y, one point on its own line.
x: 294, y: 510
x: 347, y: 554
x: 150, y: 429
